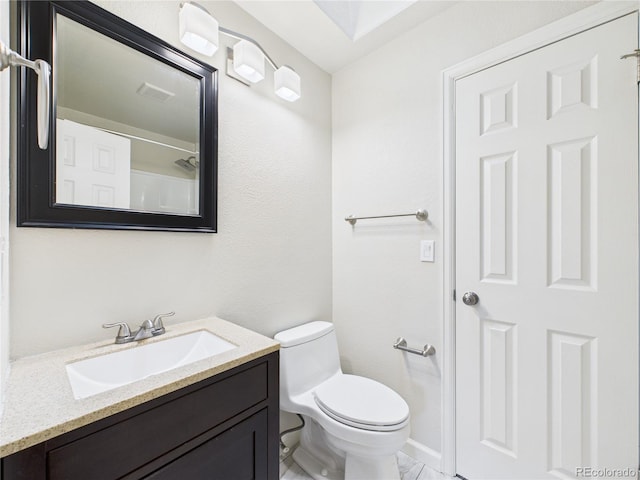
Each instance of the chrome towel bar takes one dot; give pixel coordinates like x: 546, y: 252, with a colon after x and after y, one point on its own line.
x: 427, y: 350
x: 421, y: 215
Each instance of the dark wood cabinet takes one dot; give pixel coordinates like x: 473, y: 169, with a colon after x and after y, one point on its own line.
x: 224, y: 427
x: 239, y: 453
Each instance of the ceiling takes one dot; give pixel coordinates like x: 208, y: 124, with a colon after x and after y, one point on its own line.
x: 334, y: 33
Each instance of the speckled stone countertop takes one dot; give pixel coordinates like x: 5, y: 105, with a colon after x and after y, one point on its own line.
x: 39, y: 403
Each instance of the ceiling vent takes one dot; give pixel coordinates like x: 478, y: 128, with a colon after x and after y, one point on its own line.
x: 156, y: 93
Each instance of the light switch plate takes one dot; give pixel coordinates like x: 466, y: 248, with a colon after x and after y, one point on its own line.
x: 427, y: 248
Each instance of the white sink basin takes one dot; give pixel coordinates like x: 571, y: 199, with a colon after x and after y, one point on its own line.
x: 105, y: 372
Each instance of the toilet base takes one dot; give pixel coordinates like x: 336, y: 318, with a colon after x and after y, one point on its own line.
x: 315, y: 455
x: 322, y: 459
x: 314, y: 467
x: 355, y: 468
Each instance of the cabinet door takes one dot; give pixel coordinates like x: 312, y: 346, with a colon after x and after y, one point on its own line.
x: 239, y: 453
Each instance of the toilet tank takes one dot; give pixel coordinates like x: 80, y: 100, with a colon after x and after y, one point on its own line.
x: 308, y: 356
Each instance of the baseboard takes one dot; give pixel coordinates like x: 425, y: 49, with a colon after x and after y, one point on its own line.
x: 422, y: 453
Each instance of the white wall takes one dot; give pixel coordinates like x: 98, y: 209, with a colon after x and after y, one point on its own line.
x: 387, y: 155
x: 5, y: 144
x: 268, y: 268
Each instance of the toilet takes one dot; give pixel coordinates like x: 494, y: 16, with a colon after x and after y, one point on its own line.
x: 354, y: 426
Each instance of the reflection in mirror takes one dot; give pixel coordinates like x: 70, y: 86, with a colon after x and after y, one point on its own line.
x: 115, y: 145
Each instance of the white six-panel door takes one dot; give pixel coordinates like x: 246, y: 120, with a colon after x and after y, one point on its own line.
x: 93, y: 167
x: 547, y: 237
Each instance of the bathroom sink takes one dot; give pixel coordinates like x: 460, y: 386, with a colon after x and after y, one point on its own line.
x: 105, y: 372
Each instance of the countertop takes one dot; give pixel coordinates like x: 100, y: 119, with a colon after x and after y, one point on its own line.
x: 39, y: 403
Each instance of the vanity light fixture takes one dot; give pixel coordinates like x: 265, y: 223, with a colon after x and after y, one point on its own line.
x: 197, y: 26
x: 287, y: 83
x: 198, y: 29
x: 248, y: 61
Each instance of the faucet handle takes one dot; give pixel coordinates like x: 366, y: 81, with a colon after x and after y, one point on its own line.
x: 123, y: 333
x: 157, y: 322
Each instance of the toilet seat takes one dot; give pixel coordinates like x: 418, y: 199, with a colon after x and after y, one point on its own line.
x: 362, y: 403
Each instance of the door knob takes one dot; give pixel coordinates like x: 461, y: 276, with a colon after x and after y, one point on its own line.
x: 470, y: 298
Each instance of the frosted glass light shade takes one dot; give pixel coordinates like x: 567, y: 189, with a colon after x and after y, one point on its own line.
x: 287, y: 84
x: 248, y: 61
x: 198, y: 29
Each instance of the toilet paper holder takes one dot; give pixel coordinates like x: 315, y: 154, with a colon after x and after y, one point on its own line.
x: 427, y: 350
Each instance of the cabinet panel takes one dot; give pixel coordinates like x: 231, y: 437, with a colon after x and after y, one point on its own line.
x: 28, y: 464
x: 239, y: 453
x: 121, y: 448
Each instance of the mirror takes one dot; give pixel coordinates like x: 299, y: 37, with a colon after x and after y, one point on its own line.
x: 142, y: 161
x: 134, y: 135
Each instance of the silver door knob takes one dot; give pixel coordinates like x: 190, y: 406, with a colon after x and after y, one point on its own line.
x: 470, y: 298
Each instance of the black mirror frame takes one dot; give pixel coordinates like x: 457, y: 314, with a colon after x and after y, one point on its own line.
x: 36, y: 205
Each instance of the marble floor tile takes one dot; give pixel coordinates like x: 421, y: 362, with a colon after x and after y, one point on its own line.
x: 410, y: 469
x: 285, y: 464
x: 294, y: 472
x: 430, y: 474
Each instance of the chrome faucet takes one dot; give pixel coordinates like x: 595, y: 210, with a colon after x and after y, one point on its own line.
x: 145, y: 331
x: 148, y: 329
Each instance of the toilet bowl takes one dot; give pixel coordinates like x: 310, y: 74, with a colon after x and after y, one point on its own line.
x: 353, y: 425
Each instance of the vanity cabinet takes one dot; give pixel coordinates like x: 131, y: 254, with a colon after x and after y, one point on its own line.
x: 224, y: 427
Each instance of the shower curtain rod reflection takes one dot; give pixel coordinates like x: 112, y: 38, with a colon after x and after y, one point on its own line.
x: 135, y: 137
x: 421, y: 215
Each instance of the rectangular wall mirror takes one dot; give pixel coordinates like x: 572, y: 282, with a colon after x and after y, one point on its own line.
x: 133, y: 141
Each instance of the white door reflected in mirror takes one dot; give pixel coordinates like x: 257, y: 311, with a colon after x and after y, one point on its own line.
x: 92, y: 167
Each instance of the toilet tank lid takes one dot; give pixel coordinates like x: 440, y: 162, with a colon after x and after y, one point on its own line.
x: 303, y: 333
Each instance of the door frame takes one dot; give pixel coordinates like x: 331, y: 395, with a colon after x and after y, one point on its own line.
x: 578, y: 22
